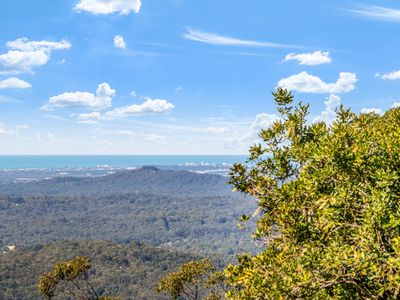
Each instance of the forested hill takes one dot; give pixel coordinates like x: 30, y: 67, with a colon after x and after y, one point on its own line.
x: 128, y: 271
x: 148, y: 180
x: 174, y: 209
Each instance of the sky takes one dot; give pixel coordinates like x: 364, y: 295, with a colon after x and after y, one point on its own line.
x: 185, y: 77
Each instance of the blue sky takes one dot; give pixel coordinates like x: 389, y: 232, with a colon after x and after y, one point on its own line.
x: 184, y: 77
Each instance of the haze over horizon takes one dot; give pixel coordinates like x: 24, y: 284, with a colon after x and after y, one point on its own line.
x: 184, y: 77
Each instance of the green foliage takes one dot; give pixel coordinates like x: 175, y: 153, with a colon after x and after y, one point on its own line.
x: 175, y: 209
x: 329, y: 207
x: 126, y: 271
x: 69, y: 278
x: 193, y: 281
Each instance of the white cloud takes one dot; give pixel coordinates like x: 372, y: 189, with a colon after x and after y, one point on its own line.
x: 372, y: 110
x: 125, y: 132
x: 88, y: 122
x: 156, y: 139
x: 149, y: 106
x: 310, y: 59
x: 178, y: 90
x: 89, y: 118
x: 119, y: 42
x: 329, y: 114
x: 104, y: 7
x: 93, y: 116
x: 5, y: 131
x: 306, y: 83
x: 396, y: 104
x: 216, y: 39
x: 105, y: 143
x: 14, y: 83
x: 13, y: 131
x: 50, y: 137
x: 26, y: 55
x: 390, y: 76
x: 262, y: 121
x: 24, y: 44
x: 22, y: 127
x: 377, y: 12
x: 251, y: 133
x: 101, y: 99
x: 217, y: 130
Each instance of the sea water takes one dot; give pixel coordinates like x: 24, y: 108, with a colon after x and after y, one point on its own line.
x: 118, y: 161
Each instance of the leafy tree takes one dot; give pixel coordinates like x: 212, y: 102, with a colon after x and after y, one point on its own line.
x: 67, y: 274
x: 194, y: 280
x: 329, y: 207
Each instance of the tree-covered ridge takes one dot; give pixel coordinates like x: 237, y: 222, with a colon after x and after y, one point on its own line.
x: 329, y: 205
x: 181, y: 210
x: 125, y: 271
x: 150, y: 180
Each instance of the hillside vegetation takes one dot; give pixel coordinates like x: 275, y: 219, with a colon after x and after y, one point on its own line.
x: 175, y: 209
x: 129, y: 271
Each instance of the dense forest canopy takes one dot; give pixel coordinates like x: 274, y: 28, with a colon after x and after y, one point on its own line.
x: 128, y: 271
x: 176, y: 209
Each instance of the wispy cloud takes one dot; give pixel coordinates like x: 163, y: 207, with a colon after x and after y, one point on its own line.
x: 4, y: 99
x: 377, y: 12
x: 389, y: 76
x: 216, y: 39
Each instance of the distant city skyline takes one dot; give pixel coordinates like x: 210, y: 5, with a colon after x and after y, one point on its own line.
x: 184, y: 77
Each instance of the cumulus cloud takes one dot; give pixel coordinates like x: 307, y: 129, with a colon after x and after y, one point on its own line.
x: 216, y: 39
x: 100, y: 100
x: 217, y: 130
x: 119, y: 42
x: 251, y: 134
x: 14, y: 83
x: 390, y: 76
x: 329, y: 114
x: 24, y: 55
x: 150, y: 106
x: 104, y: 7
x: 396, y: 104
x: 377, y: 12
x: 306, y: 83
x: 262, y: 121
x: 310, y: 59
x: 372, y: 110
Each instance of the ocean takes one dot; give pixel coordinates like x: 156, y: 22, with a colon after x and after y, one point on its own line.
x: 116, y: 161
